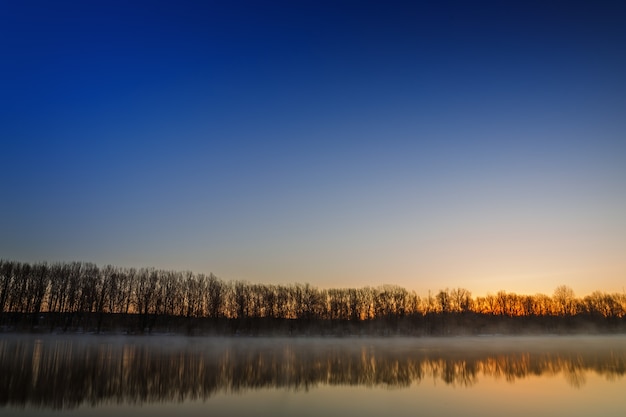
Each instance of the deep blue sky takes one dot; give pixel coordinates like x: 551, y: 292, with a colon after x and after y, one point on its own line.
x: 351, y: 143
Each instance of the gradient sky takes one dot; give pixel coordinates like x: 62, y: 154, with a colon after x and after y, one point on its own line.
x: 339, y: 143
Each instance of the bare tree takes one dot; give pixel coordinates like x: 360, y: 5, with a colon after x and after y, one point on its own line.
x: 563, y: 299
x: 6, y: 280
x: 443, y: 301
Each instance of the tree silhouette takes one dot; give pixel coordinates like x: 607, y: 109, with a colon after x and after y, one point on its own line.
x: 84, y: 297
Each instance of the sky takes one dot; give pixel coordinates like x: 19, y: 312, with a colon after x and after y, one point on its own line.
x: 338, y: 143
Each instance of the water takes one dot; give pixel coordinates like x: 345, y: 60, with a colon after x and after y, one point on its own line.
x: 161, y: 375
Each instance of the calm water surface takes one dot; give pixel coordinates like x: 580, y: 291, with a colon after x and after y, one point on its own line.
x: 164, y: 376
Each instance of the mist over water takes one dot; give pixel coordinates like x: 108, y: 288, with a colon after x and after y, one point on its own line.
x: 39, y: 373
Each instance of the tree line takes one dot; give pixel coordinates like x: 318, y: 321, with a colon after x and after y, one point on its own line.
x: 82, y: 296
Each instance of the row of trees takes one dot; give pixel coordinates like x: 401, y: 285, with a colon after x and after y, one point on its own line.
x: 65, y: 294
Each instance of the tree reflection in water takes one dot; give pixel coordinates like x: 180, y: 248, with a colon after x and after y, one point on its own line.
x: 67, y: 371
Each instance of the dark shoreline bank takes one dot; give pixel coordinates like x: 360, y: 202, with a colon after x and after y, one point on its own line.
x: 436, y: 324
